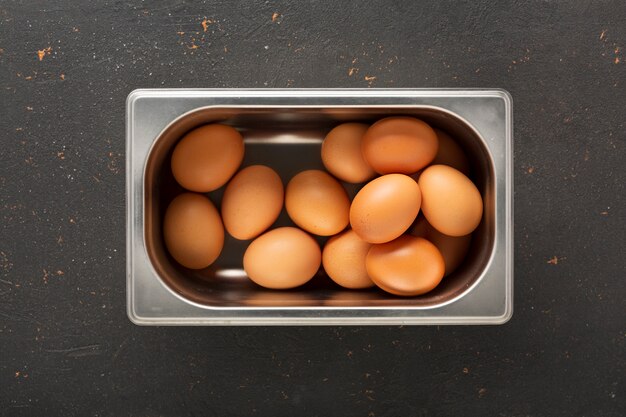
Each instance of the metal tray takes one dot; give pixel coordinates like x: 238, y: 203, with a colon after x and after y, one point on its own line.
x: 284, y: 129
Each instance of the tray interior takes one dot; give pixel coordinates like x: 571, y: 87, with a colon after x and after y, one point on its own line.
x: 289, y: 140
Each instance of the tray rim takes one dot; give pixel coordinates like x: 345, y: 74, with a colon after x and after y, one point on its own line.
x: 290, y: 319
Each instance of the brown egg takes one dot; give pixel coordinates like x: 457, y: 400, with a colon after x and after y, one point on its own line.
x: 385, y: 208
x: 193, y: 231
x: 342, y: 156
x: 452, y: 248
x: 406, y: 266
x: 399, y: 145
x: 252, y: 201
x: 282, y: 258
x: 450, y: 201
x: 207, y: 157
x: 450, y: 153
x: 317, y: 203
x: 343, y: 258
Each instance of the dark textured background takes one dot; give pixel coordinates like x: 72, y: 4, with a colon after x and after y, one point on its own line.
x: 66, y: 345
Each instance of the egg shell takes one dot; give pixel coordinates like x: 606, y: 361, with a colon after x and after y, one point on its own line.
x: 450, y: 201
x: 282, y: 258
x: 453, y: 248
x: 407, y: 266
x: 385, y: 208
x: 317, y: 203
x: 399, y: 145
x: 450, y: 153
x: 343, y: 259
x: 207, y: 157
x: 252, y: 201
x: 342, y: 156
x: 193, y: 231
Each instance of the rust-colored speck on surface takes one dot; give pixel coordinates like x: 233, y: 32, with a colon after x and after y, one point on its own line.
x: 43, y: 52
x: 205, y: 24
x: 555, y: 261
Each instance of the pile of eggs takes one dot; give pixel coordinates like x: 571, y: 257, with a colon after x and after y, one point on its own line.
x: 379, y: 238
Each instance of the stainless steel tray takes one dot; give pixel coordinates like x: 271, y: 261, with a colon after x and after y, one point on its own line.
x: 284, y: 129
